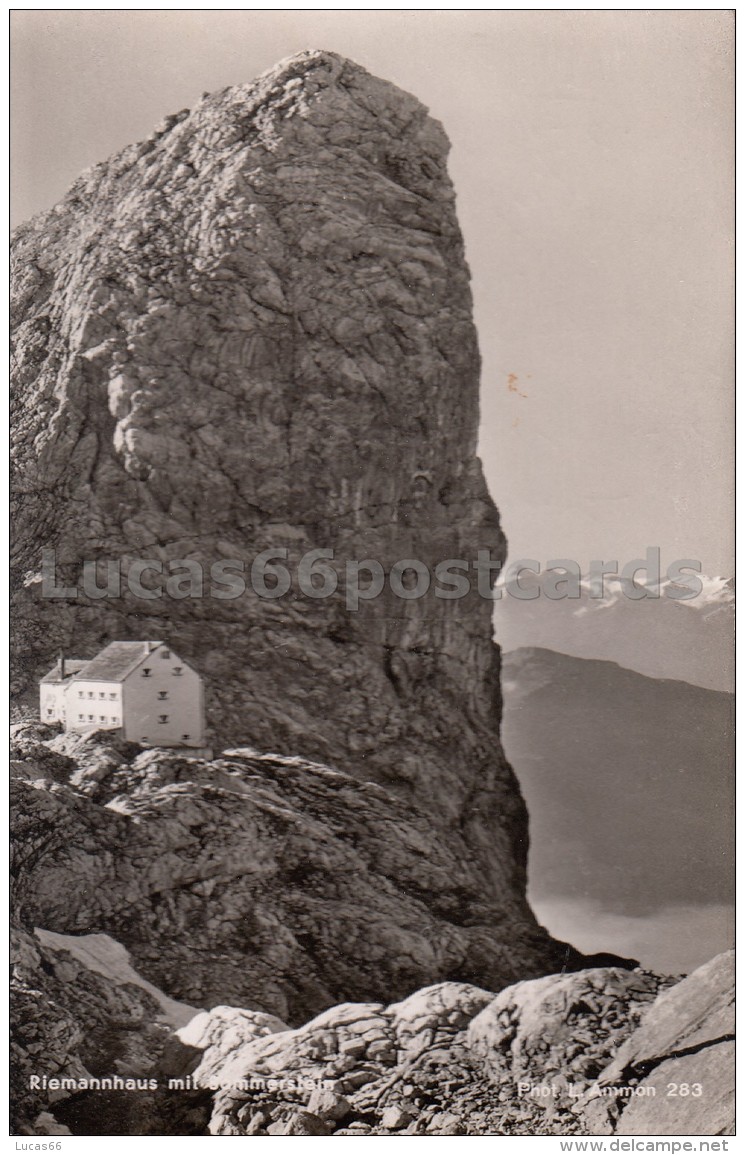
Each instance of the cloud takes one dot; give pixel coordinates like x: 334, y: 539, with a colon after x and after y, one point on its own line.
x: 671, y: 940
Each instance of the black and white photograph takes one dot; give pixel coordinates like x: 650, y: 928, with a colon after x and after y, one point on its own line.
x: 372, y: 575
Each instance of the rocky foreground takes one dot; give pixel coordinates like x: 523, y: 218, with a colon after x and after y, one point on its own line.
x: 254, y: 891
x: 333, y: 888
x: 593, y: 1052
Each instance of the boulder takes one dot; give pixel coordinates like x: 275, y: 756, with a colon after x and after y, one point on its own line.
x: 675, y: 1074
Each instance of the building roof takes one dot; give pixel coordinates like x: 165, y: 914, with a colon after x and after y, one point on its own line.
x: 116, y: 660
x: 72, y: 666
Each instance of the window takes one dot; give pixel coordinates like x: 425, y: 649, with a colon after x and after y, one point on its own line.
x: 90, y: 717
x: 184, y: 737
x: 176, y: 671
x: 81, y: 717
x: 90, y: 693
x: 49, y: 710
x: 101, y: 694
x: 144, y: 738
x: 102, y: 718
x: 116, y: 721
x: 165, y: 653
x: 162, y: 718
x: 146, y: 672
x: 112, y: 697
x: 162, y: 694
x: 80, y: 693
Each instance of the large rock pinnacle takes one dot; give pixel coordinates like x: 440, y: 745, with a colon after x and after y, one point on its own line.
x: 253, y: 332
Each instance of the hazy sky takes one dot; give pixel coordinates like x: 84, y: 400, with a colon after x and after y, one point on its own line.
x: 592, y: 161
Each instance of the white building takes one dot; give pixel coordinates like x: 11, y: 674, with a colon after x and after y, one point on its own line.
x: 142, y: 689
x: 53, y: 686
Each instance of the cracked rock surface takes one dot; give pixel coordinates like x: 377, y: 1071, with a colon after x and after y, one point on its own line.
x: 451, y: 1059
x: 136, y: 841
x: 675, y: 1075
x: 256, y: 880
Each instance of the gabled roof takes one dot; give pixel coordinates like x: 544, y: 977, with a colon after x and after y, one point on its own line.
x: 116, y: 660
x: 72, y: 666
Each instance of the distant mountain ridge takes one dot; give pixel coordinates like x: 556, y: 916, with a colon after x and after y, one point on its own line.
x: 629, y: 785
x: 661, y: 637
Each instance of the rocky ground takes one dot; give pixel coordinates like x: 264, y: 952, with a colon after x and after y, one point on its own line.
x: 329, y: 888
x: 333, y: 887
x: 590, y: 1052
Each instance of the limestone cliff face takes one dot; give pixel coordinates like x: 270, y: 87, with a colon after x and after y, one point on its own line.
x: 253, y: 331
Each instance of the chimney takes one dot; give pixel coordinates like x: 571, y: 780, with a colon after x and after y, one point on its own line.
x: 61, y: 666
